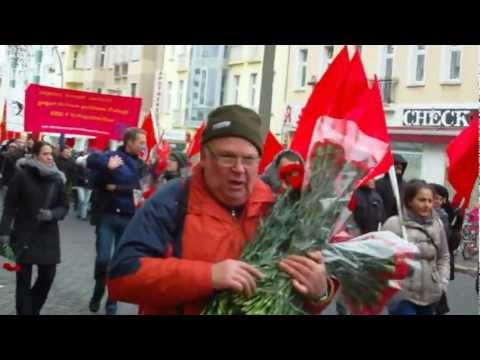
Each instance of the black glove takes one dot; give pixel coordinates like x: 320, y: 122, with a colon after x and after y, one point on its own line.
x: 44, y: 215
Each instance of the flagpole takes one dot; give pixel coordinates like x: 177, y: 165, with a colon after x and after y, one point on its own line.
x: 155, y: 130
x: 396, y: 193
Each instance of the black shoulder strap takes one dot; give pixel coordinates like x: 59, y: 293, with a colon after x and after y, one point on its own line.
x: 182, y: 204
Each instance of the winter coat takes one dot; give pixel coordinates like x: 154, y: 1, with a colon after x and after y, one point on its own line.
x: 68, y: 167
x: 33, y: 241
x: 126, y: 177
x: 270, y: 175
x: 426, y: 285
x: 166, y: 268
x: 369, y: 211
x: 384, y: 188
x: 7, y: 167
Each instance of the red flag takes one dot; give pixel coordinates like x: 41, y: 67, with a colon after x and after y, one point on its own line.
x: 70, y: 142
x: 100, y: 143
x: 370, y: 117
x: 149, y: 127
x: 162, y: 151
x: 352, y: 87
x: 462, y: 170
x: 196, y: 143
x: 3, y: 126
x: 320, y: 102
x: 271, y: 147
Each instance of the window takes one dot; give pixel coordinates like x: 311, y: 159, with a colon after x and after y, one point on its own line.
x: 180, y: 95
x: 203, y: 87
x: 136, y: 52
x: 124, y: 68
x: 236, y: 81
x: 75, y: 59
x: 222, y: 88
x: 417, y: 65
x: 455, y: 57
x: 302, y: 68
x: 253, y: 84
x: 116, y: 70
x: 387, y: 62
x: 99, y: 90
x: 169, y: 97
x: 90, y: 57
x: 103, y: 50
x: 133, y: 89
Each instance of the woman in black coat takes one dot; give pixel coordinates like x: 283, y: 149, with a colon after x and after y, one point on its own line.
x: 35, y: 202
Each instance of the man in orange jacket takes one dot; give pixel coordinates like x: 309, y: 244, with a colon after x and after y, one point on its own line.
x: 184, y: 244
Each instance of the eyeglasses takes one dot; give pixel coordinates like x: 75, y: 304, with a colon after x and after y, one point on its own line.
x: 230, y: 161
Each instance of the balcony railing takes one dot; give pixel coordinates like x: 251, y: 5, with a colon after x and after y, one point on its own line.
x: 388, y: 87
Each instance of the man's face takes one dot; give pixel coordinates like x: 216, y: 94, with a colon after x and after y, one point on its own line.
x: 172, y: 164
x: 67, y: 153
x: 21, y: 143
x: 398, y: 169
x: 30, y: 143
x: 136, y: 146
x: 371, y: 184
x: 12, y: 149
x: 230, y: 167
x: 438, y: 201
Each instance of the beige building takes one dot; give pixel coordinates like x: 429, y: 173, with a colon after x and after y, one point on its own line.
x: 126, y: 70
x: 427, y: 91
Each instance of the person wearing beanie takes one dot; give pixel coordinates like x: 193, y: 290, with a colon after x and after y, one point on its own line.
x: 177, y: 161
x: 184, y: 244
x: 384, y: 188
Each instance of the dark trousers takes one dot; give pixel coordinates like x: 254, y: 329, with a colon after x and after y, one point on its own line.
x: 30, y: 300
x: 109, y: 230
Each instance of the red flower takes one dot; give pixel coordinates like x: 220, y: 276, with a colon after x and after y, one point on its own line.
x: 293, y: 175
x: 11, y: 267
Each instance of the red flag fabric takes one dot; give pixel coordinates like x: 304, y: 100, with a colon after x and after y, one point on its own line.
x: 99, y: 143
x: 370, y: 117
x: 3, y: 126
x: 162, y: 151
x: 70, y: 142
x: 196, y: 143
x: 320, y: 102
x: 271, y: 147
x: 351, y: 89
x: 462, y: 170
x: 152, y: 139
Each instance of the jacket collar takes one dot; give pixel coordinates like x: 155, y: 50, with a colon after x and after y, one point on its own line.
x: 201, y: 199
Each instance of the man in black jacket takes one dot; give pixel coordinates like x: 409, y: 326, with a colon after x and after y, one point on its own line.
x: 385, y: 190
x: 369, y: 212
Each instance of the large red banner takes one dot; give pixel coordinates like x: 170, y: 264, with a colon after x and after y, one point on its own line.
x: 49, y: 109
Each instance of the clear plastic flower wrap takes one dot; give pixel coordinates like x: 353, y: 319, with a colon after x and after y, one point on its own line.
x: 308, y: 217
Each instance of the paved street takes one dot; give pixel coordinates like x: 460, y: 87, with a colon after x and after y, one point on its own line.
x: 74, y: 282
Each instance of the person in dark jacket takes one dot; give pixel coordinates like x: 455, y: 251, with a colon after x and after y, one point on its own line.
x: 35, y: 202
x: 83, y: 185
x: 385, y: 190
x: 271, y: 175
x: 176, y: 164
x: 67, y: 165
x: 116, y: 175
x: 369, y: 211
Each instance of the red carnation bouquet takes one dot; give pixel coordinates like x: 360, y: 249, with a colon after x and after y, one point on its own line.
x: 310, y: 216
x: 11, y: 263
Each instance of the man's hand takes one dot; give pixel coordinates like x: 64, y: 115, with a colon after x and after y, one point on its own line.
x: 235, y: 275
x: 309, y: 276
x: 111, y: 187
x: 44, y: 215
x: 114, y: 162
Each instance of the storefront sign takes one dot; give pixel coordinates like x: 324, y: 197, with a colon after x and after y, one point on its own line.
x: 448, y: 118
